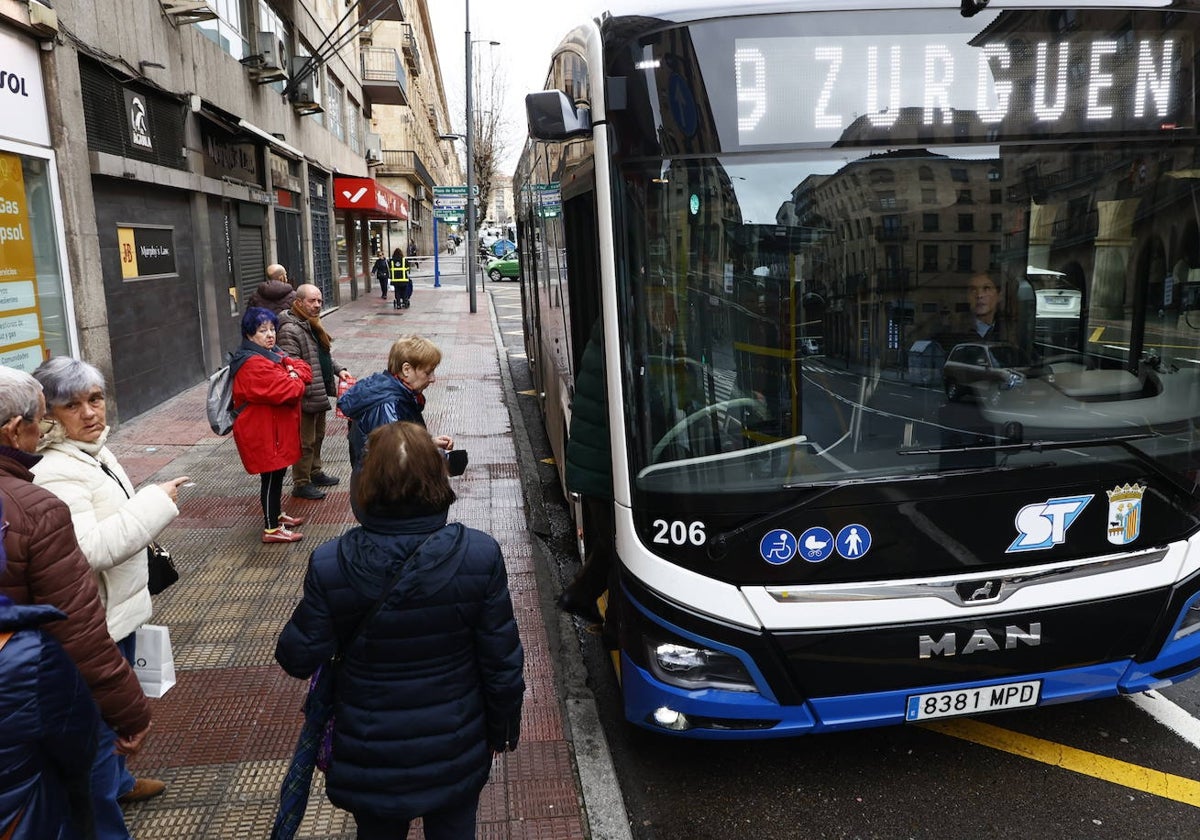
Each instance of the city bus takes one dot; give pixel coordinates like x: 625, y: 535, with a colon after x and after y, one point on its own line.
x: 810, y: 542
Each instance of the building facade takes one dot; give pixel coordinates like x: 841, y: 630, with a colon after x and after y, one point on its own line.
x: 156, y: 155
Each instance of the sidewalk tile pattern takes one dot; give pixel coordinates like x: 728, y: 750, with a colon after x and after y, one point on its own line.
x: 223, y: 735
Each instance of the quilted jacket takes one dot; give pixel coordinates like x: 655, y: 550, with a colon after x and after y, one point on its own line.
x: 48, y: 724
x: 433, y: 685
x: 46, y: 566
x: 296, y: 339
x: 375, y: 401
x: 113, y: 523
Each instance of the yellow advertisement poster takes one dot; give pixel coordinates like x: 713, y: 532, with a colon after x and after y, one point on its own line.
x: 16, y: 244
x: 125, y: 244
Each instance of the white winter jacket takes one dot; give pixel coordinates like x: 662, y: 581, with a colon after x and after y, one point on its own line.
x: 113, y: 528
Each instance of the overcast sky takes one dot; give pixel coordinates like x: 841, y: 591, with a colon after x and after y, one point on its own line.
x: 528, y: 30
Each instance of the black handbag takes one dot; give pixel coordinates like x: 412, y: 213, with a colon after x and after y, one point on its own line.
x: 161, y: 567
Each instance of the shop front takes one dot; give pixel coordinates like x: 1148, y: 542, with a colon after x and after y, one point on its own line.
x: 359, y: 202
x: 36, y: 318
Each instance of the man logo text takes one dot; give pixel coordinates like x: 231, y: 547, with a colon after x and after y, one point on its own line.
x: 980, y: 640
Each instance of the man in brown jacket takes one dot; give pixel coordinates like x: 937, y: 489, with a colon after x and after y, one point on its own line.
x: 302, y: 336
x: 46, y: 566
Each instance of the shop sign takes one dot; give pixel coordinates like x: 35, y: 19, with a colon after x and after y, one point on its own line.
x: 146, y: 251
x: 137, y: 120
x: 22, y: 99
x: 281, y: 174
x: 225, y: 158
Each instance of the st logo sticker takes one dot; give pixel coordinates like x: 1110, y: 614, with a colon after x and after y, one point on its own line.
x: 1044, y: 524
x: 1125, y: 513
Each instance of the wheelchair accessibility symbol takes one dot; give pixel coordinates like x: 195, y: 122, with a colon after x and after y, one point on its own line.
x: 777, y: 547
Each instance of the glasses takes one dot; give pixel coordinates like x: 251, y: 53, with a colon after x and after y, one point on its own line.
x: 46, y: 425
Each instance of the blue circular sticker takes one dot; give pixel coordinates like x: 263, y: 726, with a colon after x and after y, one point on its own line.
x: 853, y: 541
x: 777, y: 547
x: 816, y: 544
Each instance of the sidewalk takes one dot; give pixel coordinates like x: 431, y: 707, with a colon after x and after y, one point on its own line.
x: 224, y: 734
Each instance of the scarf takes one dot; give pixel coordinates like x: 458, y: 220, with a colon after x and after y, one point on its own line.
x: 314, y: 324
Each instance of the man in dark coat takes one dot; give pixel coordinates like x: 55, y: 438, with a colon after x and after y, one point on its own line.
x: 303, y: 336
x: 589, y: 473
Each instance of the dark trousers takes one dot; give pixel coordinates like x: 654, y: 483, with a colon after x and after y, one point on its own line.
x: 384, y: 282
x: 599, y: 548
x: 312, y: 435
x: 271, y: 496
x: 456, y: 822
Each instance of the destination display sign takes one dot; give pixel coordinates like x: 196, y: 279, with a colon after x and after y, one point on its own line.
x: 991, y: 86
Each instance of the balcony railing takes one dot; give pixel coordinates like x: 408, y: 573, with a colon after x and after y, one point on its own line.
x: 401, y: 162
x: 383, y: 76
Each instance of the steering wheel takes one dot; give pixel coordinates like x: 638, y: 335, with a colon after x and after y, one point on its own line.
x: 728, y: 426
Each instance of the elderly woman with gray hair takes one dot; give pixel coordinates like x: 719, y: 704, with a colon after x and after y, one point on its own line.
x: 114, y: 523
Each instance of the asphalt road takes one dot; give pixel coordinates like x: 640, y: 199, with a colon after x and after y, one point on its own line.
x: 1087, y: 771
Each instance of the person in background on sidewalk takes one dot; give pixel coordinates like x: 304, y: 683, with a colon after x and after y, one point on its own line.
x: 302, y: 336
x: 589, y: 473
x: 48, y: 724
x: 267, y: 389
x: 383, y: 273
x: 394, y: 394
x: 398, y: 271
x: 436, y: 688
x: 113, y: 523
x: 46, y: 566
x: 275, y: 293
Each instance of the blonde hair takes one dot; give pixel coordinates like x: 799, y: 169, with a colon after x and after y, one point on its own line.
x: 417, y: 350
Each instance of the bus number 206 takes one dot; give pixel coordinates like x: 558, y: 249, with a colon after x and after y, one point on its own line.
x: 678, y: 533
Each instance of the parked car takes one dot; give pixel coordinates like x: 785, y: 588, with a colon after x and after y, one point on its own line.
x: 983, y: 370
x: 507, y: 266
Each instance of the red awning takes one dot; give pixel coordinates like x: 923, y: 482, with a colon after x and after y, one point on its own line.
x: 368, y: 197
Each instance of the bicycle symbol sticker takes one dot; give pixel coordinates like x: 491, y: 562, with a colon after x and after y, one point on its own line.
x: 777, y: 547
x: 853, y: 541
x: 816, y: 544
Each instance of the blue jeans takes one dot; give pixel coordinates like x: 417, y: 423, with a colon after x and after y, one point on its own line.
x: 110, y: 778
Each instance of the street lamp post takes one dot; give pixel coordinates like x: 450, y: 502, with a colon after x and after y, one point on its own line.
x: 472, y: 259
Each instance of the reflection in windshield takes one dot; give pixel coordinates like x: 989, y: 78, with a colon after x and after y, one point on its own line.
x: 906, y: 302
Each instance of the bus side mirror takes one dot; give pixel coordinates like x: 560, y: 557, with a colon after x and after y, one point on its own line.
x: 552, y: 116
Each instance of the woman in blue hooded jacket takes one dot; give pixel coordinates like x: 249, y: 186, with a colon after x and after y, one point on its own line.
x: 429, y: 686
x: 48, y: 725
x: 397, y: 393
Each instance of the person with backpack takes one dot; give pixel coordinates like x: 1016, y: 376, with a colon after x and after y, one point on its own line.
x: 267, y: 388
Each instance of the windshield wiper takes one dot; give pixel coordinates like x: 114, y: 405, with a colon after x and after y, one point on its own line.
x: 1124, y: 442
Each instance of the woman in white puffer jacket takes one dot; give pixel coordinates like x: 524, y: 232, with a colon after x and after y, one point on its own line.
x: 113, y: 523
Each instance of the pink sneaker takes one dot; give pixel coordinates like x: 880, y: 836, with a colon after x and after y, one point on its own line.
x: 281, y: 535
x: 290, y: 521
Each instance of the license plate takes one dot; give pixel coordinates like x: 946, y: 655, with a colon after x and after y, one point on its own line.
x: 971, y: 701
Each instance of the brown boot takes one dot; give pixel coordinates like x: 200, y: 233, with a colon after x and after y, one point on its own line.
x: 142, y: 790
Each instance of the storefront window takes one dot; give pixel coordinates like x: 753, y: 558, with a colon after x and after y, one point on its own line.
x: 33, y: 312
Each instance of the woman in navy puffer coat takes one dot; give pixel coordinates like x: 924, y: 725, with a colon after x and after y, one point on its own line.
x: 432, y: 686
x: 48, y: 724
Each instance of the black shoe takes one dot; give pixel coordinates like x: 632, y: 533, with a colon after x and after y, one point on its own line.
x: 325, y: 480
x: 576, y: 604
x: 307, y: 491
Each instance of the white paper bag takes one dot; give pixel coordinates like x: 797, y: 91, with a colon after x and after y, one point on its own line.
x: 154, y: 663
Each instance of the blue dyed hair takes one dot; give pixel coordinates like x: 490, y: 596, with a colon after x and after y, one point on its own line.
x: 255, y: 317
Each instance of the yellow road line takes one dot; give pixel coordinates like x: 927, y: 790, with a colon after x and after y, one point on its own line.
x: 1118, y: 772
x: 1096, y: 333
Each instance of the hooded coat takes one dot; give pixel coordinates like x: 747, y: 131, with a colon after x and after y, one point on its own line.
x: 375, y: 401
x: 48, y: 725
x: 267, y: 428
x: 433, y: 684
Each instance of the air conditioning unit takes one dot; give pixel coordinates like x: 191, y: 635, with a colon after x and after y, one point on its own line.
x: 267, y: 64
x: 420, y: 195
x: 305, y: 99
x: 189, y: 11
x: 374, y: 147
x: 374, y: 156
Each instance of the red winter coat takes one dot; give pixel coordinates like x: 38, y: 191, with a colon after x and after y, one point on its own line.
x: 267, y: 428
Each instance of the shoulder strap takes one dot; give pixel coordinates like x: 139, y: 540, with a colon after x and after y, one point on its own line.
x: 387, y: 590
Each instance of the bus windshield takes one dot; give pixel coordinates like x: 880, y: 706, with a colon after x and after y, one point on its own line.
x: 953, y: 246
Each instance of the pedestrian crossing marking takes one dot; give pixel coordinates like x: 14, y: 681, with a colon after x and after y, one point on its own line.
x: 1133, y: 776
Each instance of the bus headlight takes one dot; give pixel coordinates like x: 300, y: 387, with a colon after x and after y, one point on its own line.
x: 1191, y: 621
x: 694, y: 667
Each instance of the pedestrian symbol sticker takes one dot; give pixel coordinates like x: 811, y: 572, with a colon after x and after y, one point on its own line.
x: 816, y: 544
x: 778, y: 546
x: 853, y: 541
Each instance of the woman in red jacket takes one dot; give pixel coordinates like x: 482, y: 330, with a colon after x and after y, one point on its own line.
x: 267, y: 387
